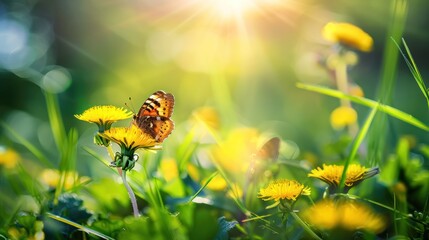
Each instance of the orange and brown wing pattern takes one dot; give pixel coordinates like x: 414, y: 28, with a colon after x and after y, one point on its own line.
x: 158, y: 104
x: 154, y: 115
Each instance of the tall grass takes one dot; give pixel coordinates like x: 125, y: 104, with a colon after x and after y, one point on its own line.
x: 376, y: 143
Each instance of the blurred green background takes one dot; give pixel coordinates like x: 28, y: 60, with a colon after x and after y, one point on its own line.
x: 243, y: 58
x: 104, y: 52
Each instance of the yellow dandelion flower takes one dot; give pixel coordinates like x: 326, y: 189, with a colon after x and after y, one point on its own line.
x: 20, y: 232
x: 348, y: 35
x: 347, y: 215
x: 208, y: 116
x: 400, y: 190
x: 331, y: 174
x: 217, y: 183
x: 129, y: 139
x: 409, y: 140
x: 356, y: 90
x: 8, y: 157
x: 193, y: 172
x: 235, y: 191
x: 351, y: 58
x: 310, y: 157
x: 51, y: 177
x: 343, y: 116
x: 169, y: 169
x: 283, y: 189
x: 234, y: 153
x: 104, y: 115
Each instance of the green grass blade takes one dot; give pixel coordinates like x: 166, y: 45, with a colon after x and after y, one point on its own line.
x: 202, y: 187
x: 156, y: 187
x: 306, y: 228
x: 152, y: 194
x: 366, y: 102
x: 236, y: 199
x: 68, y: 160
x: 30, y: 147
x: 185, y: 150
x: 409, y: 60
x: 98, y: 157
x: 392, y: 209
x: 377, y: 137
x: 78, y: 226
x: 7, y: 220
x: 357, y: 142
x: 390, y: 58
x: 55, y: 120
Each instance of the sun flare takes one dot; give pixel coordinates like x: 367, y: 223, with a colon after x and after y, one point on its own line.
x: 232, y: 8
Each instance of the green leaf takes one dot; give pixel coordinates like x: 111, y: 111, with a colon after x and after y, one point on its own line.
x: 224, y: 227
x: 275, y: 204
x: 366, y: 102
x: 71, y: 207
x: 111, y: 197
x: 390, y: 172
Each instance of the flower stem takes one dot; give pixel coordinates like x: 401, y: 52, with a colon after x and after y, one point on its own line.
x: 123, y: 175
x: 110, y: 152
x: 342, y: 84
x: 304, y: 226
x: 130, y: 193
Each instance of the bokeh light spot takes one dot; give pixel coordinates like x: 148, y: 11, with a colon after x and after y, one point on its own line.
x: 163, y: 46
x: 56, y: 80
x: 23, y: 123
x: 13, y: 37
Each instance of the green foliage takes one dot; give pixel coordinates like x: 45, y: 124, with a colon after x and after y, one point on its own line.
x: 224, y: 227
x: 206, y: 182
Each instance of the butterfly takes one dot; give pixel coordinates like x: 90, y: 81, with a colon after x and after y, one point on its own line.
x: 270, y: 150
x: 154, y: 115
x: 267, y: 154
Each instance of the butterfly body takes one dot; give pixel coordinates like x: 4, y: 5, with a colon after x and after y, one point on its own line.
x: 154, y: 115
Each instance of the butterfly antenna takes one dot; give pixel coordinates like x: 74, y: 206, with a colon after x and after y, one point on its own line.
x: 130, y: 106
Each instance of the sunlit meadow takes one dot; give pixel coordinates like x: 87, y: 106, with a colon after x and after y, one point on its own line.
x: 216, y: 119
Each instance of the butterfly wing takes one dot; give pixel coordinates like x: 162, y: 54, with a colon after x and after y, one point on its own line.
x: 158, y: 127
x: 270, y: 150
x: 154, y: 115
x: 158, y: 104
x: 264, y: 157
